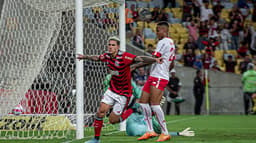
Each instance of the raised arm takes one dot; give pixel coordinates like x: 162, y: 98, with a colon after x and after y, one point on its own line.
x: 148, y: 60
x: 89, y: 57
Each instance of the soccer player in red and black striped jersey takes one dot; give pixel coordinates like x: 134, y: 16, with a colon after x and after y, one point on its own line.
x: 120, y: 90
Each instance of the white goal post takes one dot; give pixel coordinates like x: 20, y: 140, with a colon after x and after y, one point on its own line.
x: 44, y: 91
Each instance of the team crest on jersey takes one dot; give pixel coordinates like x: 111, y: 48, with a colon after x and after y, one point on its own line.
x: 129, y: 58
x: 116, y: 63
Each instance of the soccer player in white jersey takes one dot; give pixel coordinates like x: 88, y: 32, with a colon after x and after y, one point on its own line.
x: 154, y: 87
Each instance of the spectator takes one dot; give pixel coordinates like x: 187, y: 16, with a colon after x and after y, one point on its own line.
x: 196, y: 7
x: 219, y: 19
x: 198, y: 63
x: 235, y: 35
x: 243, y: 50
x: 243, y: 65
x: 218, y: 7
x: 249, y: 87
x: 154, y: 14
x: 138, y: 39
x: 225, y: 37
x: 247, y: 34
x: 128, y: 19
x: 135, y: 14
x: 198, y: 90
x: 212, y: 33
x: 189, y: 58
x: 163, y: 16
x: 190, y: 44
x: 207, y: 60
x: 186, y: 13
x: 203, y: 34
x: 230, y: 63
x: 206, y: 12
x: 150, y: 49
x: 242, y: 4
x: 193, y: 28
x: 214, y: 43
x: 141, y: 78
x: 173, y: 87
x: 214, y: 66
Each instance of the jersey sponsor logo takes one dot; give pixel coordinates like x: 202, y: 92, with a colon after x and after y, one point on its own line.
x: 102, y: 57
x: 129, y: 58
x: 35, y: 123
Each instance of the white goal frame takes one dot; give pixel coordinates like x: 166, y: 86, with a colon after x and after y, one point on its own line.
x: 79, y: 64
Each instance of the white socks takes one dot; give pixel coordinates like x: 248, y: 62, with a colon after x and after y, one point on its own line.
x: 147, y: 116
x: 160, y: 118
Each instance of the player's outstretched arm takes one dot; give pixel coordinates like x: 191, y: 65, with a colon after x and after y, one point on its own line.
x: 138, y: 65
x: 88, y: 57
x: 144, y: 61
x: 148, y: 60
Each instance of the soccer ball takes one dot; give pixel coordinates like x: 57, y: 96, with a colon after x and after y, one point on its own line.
x: 17, y: 110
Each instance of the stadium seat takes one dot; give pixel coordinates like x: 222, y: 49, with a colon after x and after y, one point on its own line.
x: 180, y: 3
x: 184, y: 35
x: 233, y: 52
x: 152, y: 25
x: 140, y: 24
x: 172, y: 30
x: 150, y: 41
x: 167, y: 10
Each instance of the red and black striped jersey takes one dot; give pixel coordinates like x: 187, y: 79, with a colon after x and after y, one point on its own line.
x: 119, y: 67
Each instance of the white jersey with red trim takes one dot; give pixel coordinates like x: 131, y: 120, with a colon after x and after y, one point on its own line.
x: 165, y: 48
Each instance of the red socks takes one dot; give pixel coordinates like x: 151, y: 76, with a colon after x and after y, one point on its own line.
x: 98, y: 123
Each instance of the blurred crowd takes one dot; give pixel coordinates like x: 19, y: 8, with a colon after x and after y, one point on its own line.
x: 219, y: 35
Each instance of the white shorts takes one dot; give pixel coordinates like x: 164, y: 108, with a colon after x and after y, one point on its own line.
x: 117, y: 101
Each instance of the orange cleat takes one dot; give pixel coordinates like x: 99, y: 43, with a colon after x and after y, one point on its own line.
x: 147, y: 135
x: 163, y: 137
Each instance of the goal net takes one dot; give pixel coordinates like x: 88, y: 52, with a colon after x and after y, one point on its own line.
x: 37, y: 60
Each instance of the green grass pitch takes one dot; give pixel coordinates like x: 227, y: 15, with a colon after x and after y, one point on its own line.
x: 208, y: 129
